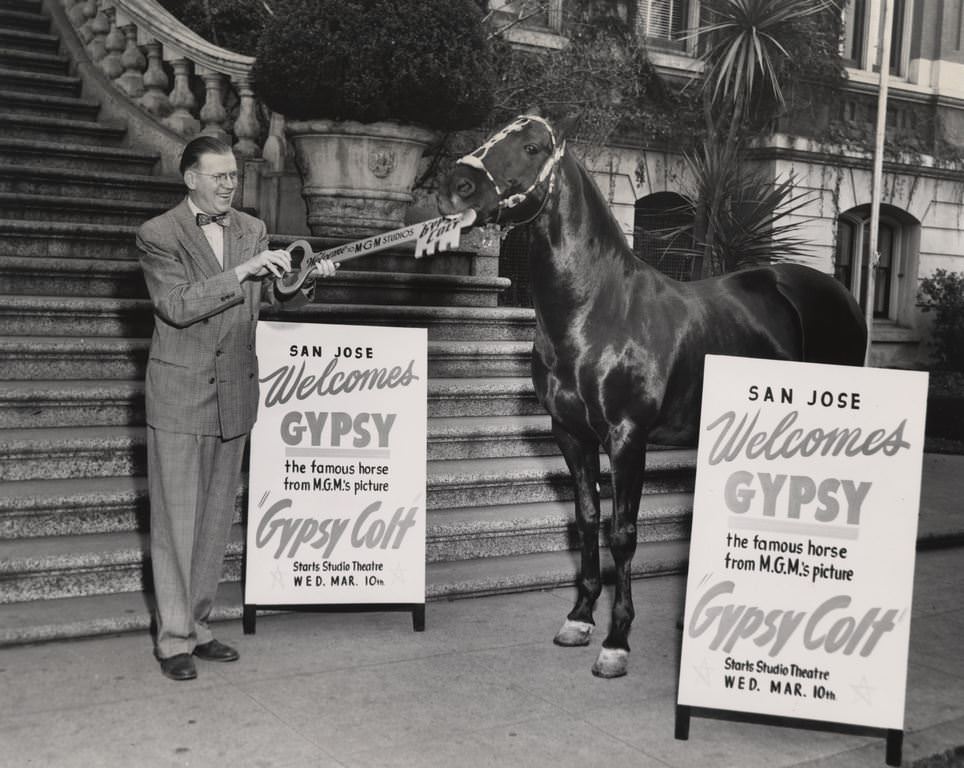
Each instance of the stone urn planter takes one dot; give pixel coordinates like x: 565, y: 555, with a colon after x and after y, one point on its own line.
x: 357, y: 177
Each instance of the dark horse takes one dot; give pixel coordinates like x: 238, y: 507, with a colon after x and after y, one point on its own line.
x: 619, y: 347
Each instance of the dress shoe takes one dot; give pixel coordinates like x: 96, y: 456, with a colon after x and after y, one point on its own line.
x: 179, y: 667
x: 215, y: 651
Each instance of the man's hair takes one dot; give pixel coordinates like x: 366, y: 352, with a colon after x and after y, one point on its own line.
x: 202, y: 145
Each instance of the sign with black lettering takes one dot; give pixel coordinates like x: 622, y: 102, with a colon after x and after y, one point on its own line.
x: 798, y: 601
x: 336, y: 498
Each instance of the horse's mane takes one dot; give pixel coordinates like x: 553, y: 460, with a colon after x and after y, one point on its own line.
x: 607, y: 227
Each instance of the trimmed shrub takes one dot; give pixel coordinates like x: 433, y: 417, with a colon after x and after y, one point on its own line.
x: 425, y: 62
x: 943, y: 294
x: 232, y: 24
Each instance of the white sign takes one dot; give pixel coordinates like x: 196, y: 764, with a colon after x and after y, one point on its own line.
x: 336, y: 500
x: 798, y: 600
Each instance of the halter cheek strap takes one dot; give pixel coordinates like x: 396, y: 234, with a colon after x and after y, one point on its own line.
x: 476, y: 159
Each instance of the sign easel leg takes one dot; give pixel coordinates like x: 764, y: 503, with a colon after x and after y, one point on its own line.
x: 247, y: 619
x: 895, y: 747
x: 682, y: 722
x: 418, y: 617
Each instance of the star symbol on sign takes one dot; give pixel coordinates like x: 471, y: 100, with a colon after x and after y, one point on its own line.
x: 864, y: 689
x: 703, y: 671
x: 277, y: 578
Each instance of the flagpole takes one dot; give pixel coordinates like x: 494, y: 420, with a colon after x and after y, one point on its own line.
x: 872, y: 255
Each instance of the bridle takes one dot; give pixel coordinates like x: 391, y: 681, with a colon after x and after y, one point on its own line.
x: 476, y: 159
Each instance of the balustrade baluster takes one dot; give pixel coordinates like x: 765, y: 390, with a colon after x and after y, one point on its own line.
x: 246, y: 127
x: 114, y: 43
x: 134, y: 63
x: 82, y: 15
x: 213, y: 114
x: 98, y: 27
x: 275, y: 146
x: 155, y: 99
x: 183, y: 102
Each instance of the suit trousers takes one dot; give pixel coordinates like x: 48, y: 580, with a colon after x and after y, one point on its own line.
x: 193, y: 482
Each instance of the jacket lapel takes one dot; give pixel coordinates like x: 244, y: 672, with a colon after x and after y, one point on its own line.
x: 233, y: 234
x: 194, y: 242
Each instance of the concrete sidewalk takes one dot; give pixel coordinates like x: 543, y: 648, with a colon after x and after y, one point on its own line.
x: 482, y: 686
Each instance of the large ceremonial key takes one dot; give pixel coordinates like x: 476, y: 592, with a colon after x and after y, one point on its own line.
x: 432, y: 236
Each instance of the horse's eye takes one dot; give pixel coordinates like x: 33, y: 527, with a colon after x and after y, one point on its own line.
x: 531, y: 149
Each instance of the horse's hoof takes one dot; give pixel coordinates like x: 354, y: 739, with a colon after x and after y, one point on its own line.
x: 611, y: 662
x: 573, y: 633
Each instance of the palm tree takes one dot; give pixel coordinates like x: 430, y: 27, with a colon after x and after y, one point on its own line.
x: 745, y: 46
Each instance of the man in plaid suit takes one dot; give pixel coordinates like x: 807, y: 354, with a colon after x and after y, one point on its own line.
x: 207, y: 268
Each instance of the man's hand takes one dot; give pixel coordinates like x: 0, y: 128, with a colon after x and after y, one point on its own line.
x: 267, y: 262
x: 325, y: 268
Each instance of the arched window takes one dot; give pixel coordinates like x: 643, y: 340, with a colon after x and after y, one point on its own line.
x: 896, y: 244
x: 663, y: 233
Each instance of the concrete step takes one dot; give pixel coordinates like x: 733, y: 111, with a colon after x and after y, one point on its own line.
x: 103, y: 358
x: 39, y: 83
x: 86, y: 210
x: 32, y: 61
x: 531, y: 479
x: 24, y: 16
x: 31, y: 404
x: 449, y: 323
x: 66, y: 240
x: 54, y: 453
x: 30, y: 237
x: 84, y: 169
x: 25, y: 275
x: 27, y: 40
x: 39, y: 508
x: 66, y: 618
x: 51, y: 506
x: 74, y: 316
x: 96, y: 564
x: 72, y: 357
x: 88, y: 183
x: 81, y: 316
x: 60, y: 129
x: 525, y: 529
x: 45, y: 105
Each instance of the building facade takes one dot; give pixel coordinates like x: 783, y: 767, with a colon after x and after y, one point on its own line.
x: 830, y: 156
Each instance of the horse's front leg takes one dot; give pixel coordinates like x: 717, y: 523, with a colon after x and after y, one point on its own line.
x: 628, y: 459
x: 582, y: 458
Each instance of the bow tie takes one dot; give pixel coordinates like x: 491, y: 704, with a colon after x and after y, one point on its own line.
x: 204, y: 219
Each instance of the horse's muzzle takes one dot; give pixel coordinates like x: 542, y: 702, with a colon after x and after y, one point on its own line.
x: 461, y: 190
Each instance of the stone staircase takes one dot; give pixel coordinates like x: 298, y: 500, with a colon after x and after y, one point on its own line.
x: 74, y: 331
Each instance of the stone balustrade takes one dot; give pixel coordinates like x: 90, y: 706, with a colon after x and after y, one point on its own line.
x: 188, y: 84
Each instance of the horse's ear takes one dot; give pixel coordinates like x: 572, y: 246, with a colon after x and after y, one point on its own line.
x: 535, y: 110
x: 565, y: 126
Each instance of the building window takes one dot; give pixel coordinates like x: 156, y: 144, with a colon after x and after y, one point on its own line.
x: 663, y: 21
x: 850, y: 259
x: 861, y: 34
x: 855, y: 31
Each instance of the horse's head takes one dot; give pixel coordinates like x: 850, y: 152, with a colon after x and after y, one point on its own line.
x: 508, y: 179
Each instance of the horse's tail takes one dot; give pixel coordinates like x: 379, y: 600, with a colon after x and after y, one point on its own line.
x: 832, y: 325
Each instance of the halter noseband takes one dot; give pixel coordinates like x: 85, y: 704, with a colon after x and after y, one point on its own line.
x: 476, y: 159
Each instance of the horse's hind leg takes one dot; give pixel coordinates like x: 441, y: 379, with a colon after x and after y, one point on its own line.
x: 582, y: 458
x: 628, y: 457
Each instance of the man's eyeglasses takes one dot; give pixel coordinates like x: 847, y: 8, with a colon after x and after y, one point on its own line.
x: 221, y: 178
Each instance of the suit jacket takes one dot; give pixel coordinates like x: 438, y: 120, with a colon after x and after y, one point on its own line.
x: 202, y: 373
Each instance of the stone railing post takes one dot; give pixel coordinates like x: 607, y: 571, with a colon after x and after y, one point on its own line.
x: 181, y: 119
x: 131, y: 40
